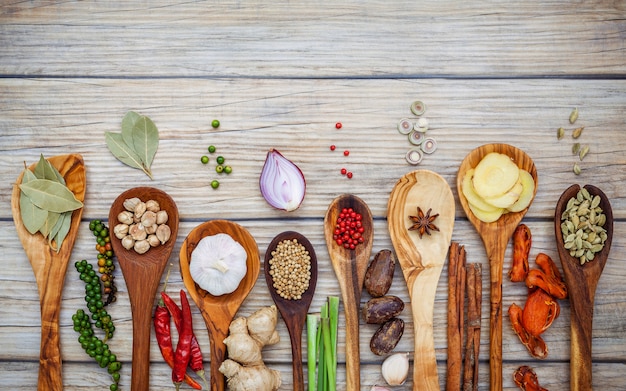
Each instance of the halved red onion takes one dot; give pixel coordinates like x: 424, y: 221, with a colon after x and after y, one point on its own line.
x: 282, y: 183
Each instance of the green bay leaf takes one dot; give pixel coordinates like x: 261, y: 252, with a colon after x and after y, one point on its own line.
x: 128, y: 122
x: 123, y: 152
x: 51, y: 221
x: 45, y: 170
x: 33, y: 217
x: 60, y: 231
x: 51, y: 196
x: 145, y: 140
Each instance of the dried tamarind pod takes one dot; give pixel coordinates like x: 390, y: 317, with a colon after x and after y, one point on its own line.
x: 526, y: 379
x: 539, y: 312
x: 535, y: 344
x: 548, y: 278
x: 522, y: 240
x: 379, y: 274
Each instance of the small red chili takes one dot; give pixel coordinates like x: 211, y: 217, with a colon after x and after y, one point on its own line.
x: 164, y: 339
x: 338, y: 125
x: 195, y: 362
x: 332, y: 147
x: 183, y: 348
x: 346, y: 152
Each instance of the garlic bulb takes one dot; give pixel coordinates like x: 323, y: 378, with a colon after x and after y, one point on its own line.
x: 395, y: 369
x: 218, y: 264
x: 282, y: 183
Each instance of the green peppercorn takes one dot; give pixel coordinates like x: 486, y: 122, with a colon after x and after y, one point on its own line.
x: 204, y: 159
x: 228, y: 169
x: 215, y: 124
x: 220, y: 160
x: 219, y: 169
x: 212, y: 148
x: 215, y: 184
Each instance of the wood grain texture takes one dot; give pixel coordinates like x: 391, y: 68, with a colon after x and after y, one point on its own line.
x: 50, y: 267
x: 422, y: 259
x: 142, y: 274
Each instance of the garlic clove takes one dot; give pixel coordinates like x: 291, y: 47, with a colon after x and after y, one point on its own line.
x: 163, y: 232
x: 161, y: 217
x: 282, y: 183
x: 120, y: 230
x: 140, y: 208
x: 141, y: 246
x: 128, y: 242
x: 125, y: 217
x: 153, y: 206
x: 148, y: 218
x: 395, y: 369
x: 153, y: 240
x: 131, y: 203
x: 151, y: 229
x: 137, y: 232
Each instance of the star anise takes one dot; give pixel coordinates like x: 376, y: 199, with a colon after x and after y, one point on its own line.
x: 423, y: 224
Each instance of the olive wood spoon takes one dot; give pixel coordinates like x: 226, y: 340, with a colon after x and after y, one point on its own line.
x: 495, y: 237
x: 219, y: 311
x: 142, y: 274
x: 350, y: 267
x: 293, y: 311
x: 582, y: 281
x: 422, y: 259
x: 50, y: 267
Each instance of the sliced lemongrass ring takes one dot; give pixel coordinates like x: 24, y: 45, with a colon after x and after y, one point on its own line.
x: 418, y: 107
x: 414, y: 156
x: 422, y: 124
x: 405, y: 126
x: 416, y: 137
x: 429, y: 145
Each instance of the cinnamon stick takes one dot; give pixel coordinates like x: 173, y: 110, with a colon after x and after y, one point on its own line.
x: 456, y: 306
x: 472, y: 348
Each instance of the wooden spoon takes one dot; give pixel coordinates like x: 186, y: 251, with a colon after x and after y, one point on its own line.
x: 495, y: 237
x: 219, y: 311
x: 350, y: 267
x: 50, y: 267
x: 582, y: 281
x: 142, y: 274
x: 422, y: 259
x: 293, y: 311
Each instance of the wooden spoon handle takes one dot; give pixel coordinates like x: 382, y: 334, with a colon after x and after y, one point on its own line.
x: 496, y: 260
x: 217, y: 323
x: 581, y: 328
x: 295, y: 335
x: 50, y: 377
x: 423, y: 291
x: 141, y: 350
x: 353, y: 354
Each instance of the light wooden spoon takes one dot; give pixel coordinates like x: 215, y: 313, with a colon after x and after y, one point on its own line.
x: 50, y: 268
x: 582, y: 281
x: 495, y: 237
x: 350, y: 267
x: 294, y: 311
x: 219, y: 311
x: 422, y: 259
x: 142, y: 274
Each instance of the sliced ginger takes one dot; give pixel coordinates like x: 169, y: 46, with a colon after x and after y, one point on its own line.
x: 494, y: 175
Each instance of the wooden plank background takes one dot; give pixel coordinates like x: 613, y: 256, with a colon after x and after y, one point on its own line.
x: 280, y: 75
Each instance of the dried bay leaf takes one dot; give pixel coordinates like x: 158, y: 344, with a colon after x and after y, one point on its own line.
x: 124, y: 153
x: 145, y: 139
x: 48, y: 226
x: 62, y: 228
x: 128, y: 123
x: 51, y: 196
x: 33, y: 217
x: 45, y: 170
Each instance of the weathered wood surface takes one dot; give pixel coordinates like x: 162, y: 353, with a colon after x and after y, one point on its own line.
x: 280, y: 75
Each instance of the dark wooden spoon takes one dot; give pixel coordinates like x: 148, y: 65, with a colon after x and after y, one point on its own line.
x: 350, y: 267
x: 50, y: 267
x: 293, y: 311
x: 582, y: 281
x: 219, y: 311
x: 495, y: 237
x: 142, y: 274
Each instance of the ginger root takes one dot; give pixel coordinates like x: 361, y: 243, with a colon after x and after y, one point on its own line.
x: 244, y: 369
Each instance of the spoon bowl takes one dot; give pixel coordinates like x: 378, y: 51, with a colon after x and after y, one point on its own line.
x: 495, y: 237
x: 422, y: 259
x: 142, y: 274
x: 294, y: 311
x: 50, y: 267
x: 219, y: 311
x: 582, y: 281
x: 350, y: 267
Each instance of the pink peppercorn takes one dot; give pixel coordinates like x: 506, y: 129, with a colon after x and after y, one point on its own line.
x: 338, y: 125
x: 343, y: 171
x: 332, y: 147
x: 346, y: 152
x: 349, y: 175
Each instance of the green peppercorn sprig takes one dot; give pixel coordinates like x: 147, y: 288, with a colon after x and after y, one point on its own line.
x: 96, y: 348
x: 93, y: 298
x: 106, y: 266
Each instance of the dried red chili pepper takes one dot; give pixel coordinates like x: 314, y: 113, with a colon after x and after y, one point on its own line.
x: 548, y: 278
x: 164, y: 339
x: 196, y: 360
x: 535, y: 344
x: 522, y: 240
x: 183, y: 348
x: 526, y: 379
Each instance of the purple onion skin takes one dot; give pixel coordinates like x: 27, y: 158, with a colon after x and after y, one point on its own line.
x: 282, y: 183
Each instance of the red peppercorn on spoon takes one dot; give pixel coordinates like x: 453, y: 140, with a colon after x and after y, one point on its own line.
x: 142, y: 274
x: 495, y: 237
x: 350, y: 267
x: 422, y: 259
x: 50, y: 267
x: 219, y: 311
x: 582, y: 281
x: 293, y: 311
